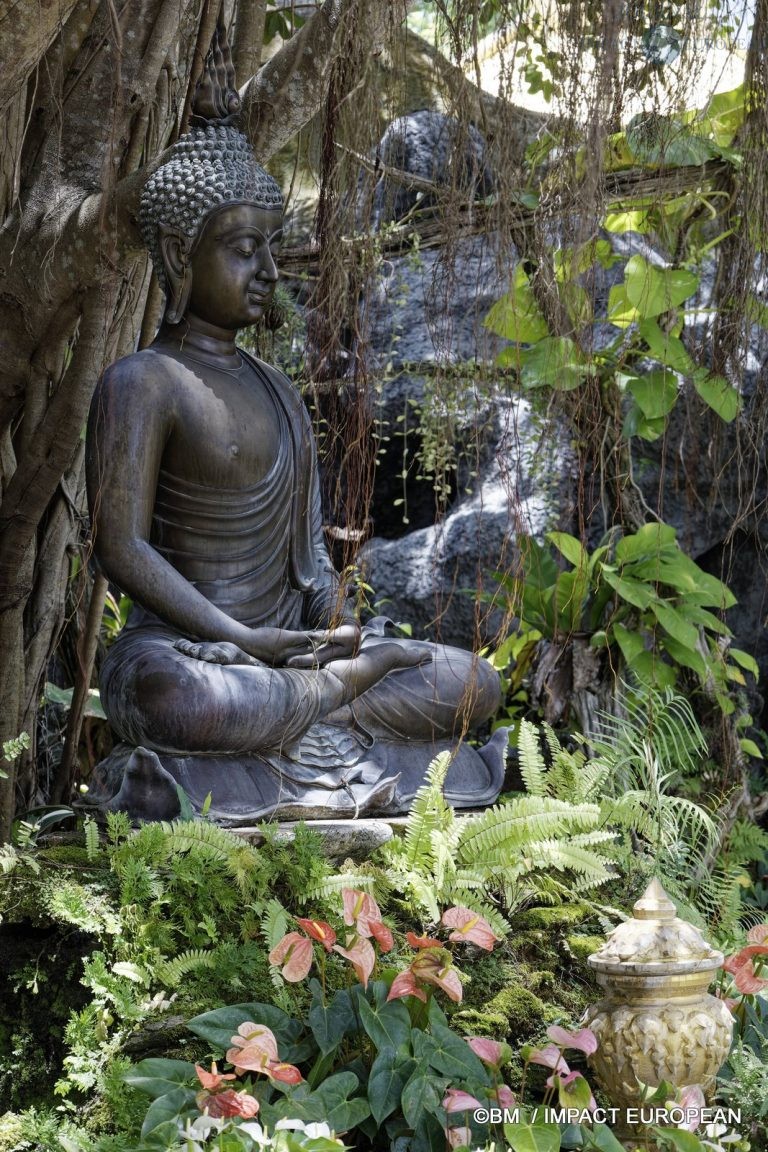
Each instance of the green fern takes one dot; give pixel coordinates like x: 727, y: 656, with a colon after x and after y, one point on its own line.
x: 170, y: 973
x: 429, y: 812
x: 91, y: 830
x: 330, y: 886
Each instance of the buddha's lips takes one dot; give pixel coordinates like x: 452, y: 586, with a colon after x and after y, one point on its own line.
x: 259, y: 297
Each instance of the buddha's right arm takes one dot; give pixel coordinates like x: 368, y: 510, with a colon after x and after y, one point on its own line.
x: 130, y: 421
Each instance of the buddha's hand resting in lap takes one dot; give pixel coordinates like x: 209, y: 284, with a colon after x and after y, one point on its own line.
x: 277, y: 646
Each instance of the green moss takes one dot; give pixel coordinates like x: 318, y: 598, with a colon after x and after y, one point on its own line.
x: 557, y: 919
x: 525, y: 1013
x: 581, y: 947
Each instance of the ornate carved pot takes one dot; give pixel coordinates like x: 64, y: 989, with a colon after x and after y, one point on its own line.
x: 657, y: 1021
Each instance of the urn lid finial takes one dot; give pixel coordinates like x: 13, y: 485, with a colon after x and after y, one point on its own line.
x: 654, y: 904
x: 655, y: 941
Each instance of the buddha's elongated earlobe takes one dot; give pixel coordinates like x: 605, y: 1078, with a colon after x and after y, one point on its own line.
x: 174, y: 247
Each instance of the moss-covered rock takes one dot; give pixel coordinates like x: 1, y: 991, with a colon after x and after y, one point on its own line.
x: 582, y: 947
x: 560, y: 918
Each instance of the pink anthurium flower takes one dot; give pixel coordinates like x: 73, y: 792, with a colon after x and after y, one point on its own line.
x: 742, y: 969
x: 549, y: 1057
x: 320, y: 931
x: 491, y: 1052
x: 361, y: 956
x: 692, y: 1099
x: 295, y: 954
x: 433, y: 966
x: 404, y: 984
x: 572, y: 1099
x: 459, y: 1137
x: 456, y: 1100
x: 583, y: 1040
x: 505, y: 1096
x: 258, y: 1040
x: 470, y: 927
x: 758, y: 934
x: 255, y: 1050
x: 363, y: 913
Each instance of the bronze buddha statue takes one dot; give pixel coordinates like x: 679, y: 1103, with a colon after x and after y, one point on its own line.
x: 242, y: 670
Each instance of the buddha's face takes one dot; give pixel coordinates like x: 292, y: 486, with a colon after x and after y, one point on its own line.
x: 233, y: 265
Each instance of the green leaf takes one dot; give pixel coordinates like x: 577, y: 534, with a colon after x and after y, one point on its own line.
x: 329, y: 1022
x: 750, y: 748
x: 647, y: 541
x: 633, y: 591
x: 533, y: 1137
x: 655, y: 394
x: 655, y: 290
x: 388, y: 1025
x: 454, y: 1057
x: 635, y: 220
x: 166, y: 1108
x: 218, y: 1027
x: 680, y: 1139
x: 688, y: 657
x: 621, y: 310
x: 552, y: 363
x: 745, y: 661
x: 652, y: 670
x: 630, y: 643
x: 674, y: 623
x: 668, y: 349
x: 420, y: 1095
x: 601, y: 1138
x: 719, y: 395
x: 157, y: 1077
x: 517, y: 316
x: 388, y: 1077
x: 569, y: 547
x: 577, y: 1094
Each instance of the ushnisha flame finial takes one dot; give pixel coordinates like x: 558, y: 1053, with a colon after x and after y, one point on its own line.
x: 216, y: 99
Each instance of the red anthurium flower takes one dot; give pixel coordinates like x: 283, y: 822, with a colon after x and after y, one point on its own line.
x: 221, y: 1105
x: 320, y: 931
x: 433, y: 966
x: 469, y: 927
x: 213, y: 1079
x: 491, y: 1052
x: 456, y: 1100
x: 422, y: 941
x: 295, y: 954
x: 285, y: 1073
x: 758, y: 934
x: 404, y: 984
x: 550, y: 1057
x: 583, y: 1040
x: 361, y: 956
x: 459, y: 1137
x: 382, y: 935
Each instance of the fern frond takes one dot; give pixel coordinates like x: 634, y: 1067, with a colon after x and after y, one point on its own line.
x: 171, y: 972
x: 274, y: 923
x: 91, y: 829
x: 508, y: 827
x: 429, y: 812
x: 329, y: 886
x: 532, y: 767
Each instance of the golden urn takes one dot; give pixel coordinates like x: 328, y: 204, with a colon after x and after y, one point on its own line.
x: 657, y: 1021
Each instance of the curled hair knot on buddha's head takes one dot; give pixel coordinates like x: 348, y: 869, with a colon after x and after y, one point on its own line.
x: 209, y: 167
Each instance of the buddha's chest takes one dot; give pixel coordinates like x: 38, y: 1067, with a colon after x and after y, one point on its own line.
x: 228, y: 433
